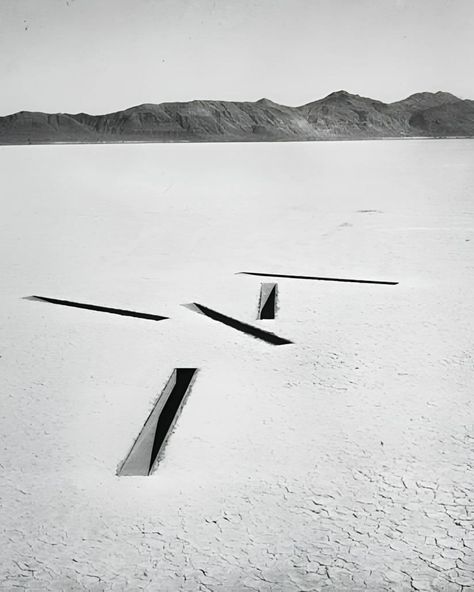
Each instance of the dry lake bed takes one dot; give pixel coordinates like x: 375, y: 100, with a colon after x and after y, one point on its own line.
x: 340, y: 462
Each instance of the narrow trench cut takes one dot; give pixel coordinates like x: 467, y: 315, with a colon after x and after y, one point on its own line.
x: 154, y: 434
x: 317, y: 278
x: 106, y: 309
x: 268, y: 301
x: 238, y: 325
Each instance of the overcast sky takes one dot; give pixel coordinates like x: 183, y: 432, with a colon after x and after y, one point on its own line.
x: 104, y: 55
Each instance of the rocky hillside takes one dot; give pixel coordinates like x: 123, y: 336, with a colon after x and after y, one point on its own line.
x: 339, y: 115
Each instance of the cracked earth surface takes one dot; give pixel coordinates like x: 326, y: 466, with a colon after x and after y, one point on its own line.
x: 341, y: 463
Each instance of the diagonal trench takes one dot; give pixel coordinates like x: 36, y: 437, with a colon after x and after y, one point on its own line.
x: 256, y: 332
x: 155, y: 432
x: 107, y: 309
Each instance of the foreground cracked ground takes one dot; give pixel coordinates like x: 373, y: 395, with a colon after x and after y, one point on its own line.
x: 382, y: 532
x: 349, y: 484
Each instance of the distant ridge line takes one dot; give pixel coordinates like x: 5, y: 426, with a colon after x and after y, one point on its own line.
x: 338, y: 116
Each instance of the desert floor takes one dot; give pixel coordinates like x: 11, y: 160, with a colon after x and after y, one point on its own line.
x: 342, y: 462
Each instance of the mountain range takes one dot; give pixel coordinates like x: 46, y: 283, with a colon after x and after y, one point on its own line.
x: 340, y: 115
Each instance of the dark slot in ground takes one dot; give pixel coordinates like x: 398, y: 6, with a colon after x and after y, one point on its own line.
x: 238, y: 325
x: 321, y: 279
x: 117, y: 311
x: 268, y: 298
x: 154, y: 434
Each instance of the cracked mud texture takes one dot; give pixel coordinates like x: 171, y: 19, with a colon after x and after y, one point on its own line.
x: 341, y: 463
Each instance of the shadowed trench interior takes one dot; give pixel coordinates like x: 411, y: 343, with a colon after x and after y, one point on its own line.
x: 152, y: 438
x: 267, y: 303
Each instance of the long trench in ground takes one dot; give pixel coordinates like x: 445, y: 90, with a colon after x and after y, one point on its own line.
x: 154, y: 434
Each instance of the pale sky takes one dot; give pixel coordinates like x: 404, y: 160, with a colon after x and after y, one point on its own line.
x: 99, y: 56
